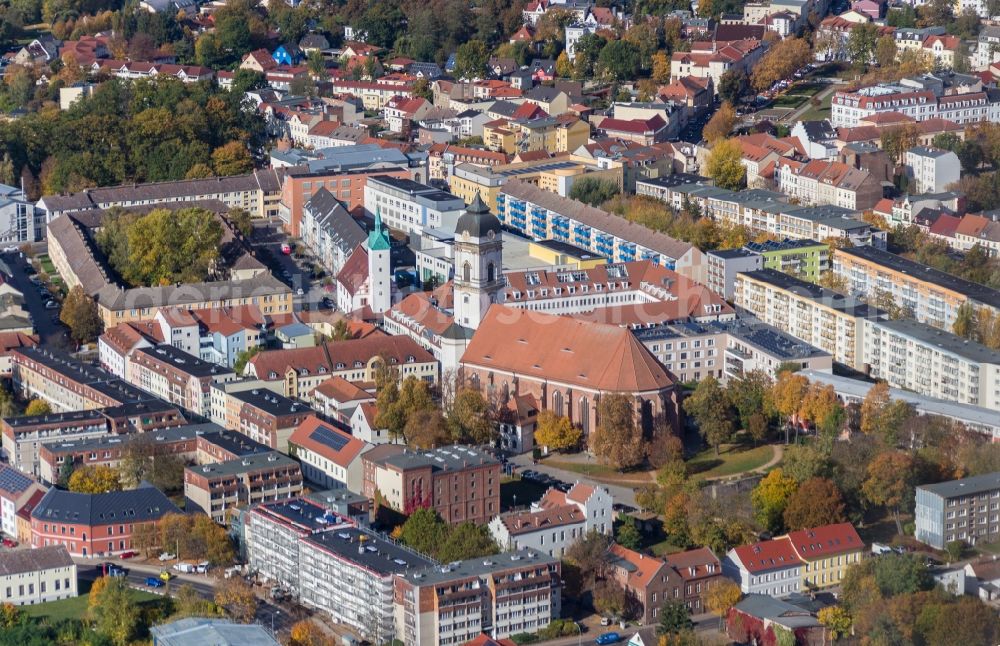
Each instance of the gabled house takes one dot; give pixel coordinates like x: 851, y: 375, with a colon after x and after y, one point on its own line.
x: 259, y: 60
x: 549, y: 99
x: 556, y: 521
x: 330, y: 456
x: 769, y: 568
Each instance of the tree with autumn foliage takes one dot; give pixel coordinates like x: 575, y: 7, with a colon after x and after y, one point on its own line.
x: 787, y: 394
x: 237, y: 598
x: 835, y: 619
x: 721, y: 123
x: 722, y: 596
x: 91, y: 478
x: 770, y: 498
x: 881, y: 416
x: 780, y: 63
x: 815, y: 503
x: 37, y: 407
x: 890, y: 482
x: 724, y: 164
x: 308, y: 633
x: 556, y: 431
x: 822, y: 408
x: 617, y: 440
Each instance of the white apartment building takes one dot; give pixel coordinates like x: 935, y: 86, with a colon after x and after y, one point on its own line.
x: 329, y: 230
x: 931, y: 169
x: 411, y: 207
x: 928, y: 295
x: 349, y: 574
x: 723, y: 264
x: 16, y: 488
x: 810, y: 313
x: 329, y: 456
x: 931, y: 362
x: 847, y: 109
x: 32, y: 576
x: 20, y: 221
x: 272, y: 535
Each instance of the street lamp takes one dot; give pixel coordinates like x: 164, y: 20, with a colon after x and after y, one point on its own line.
x: 579, y: 633
x: 276, y: 612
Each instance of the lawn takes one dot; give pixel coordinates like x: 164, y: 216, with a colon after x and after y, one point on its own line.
x: 818, y: 113
x: 597, y: 471
x: 789, y: 101
x: 732, y: 459
x: 76, y: 607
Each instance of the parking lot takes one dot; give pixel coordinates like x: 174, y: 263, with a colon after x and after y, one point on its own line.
x: 296, y: 272
x: 38, y: 301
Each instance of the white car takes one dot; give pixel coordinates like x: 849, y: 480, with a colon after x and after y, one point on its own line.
x: 51, y: 305
x: 166, y: 556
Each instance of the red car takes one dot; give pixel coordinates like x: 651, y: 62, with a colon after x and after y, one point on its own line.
x: 9, y: 542
x: 127, y: 555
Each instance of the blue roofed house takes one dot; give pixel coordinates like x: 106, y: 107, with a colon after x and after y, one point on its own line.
x: 287, y: 54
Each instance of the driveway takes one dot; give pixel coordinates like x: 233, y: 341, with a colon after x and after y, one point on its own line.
x: 267, y: 240
x: 50, y: 330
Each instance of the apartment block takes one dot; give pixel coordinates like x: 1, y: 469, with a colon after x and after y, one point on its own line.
x: 722, y: 265
x: 108, y: 450
x: 544, y: 215
x: 24, y: 437
x: 932, y: 170
x: 805, y: 259
x: 820, y: 182
x: 67, y: 384
x: 16, y: 490
x: 460, y: 483
x: 848, y: 108
x: 931, y: 296
x: 220, y: 445
x: 813, y: 314
x: 408, y: 206
x: 272, y: 535
x: 966, y: 510
x: 99, y: 524
x: 350, y: 574
x: 220, y: 487
x: 175, y: 376
x: 932, y: 362
x: 767, y: 212
x: 264, y: 416
x: 500, y: 595
x: 28, y: 577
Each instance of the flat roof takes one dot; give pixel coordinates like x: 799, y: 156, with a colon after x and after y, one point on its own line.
x: 245, y: 464
x: 233, y: 442
x: 479, y: 567
x: 769, y: 339
x: 160, y: 436
x: 941, y: 339
x: 919, y: 271
x: 184, y: 361
x: 269, y: 401
x: 965, y: 486
x: 815, y: 293
x: 370, y: 551
x: 300, y: 512
x: 448, y: 458
x: 570, y: 249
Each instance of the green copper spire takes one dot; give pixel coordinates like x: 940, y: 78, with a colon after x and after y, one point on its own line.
x: 377, y: 239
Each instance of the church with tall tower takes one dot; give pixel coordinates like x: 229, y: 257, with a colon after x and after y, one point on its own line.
x: 380, y: 281
x: 478, y: 265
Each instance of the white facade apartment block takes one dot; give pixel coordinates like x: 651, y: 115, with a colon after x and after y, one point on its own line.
x: 29, y: 577
x: 409, y: 206
x: 932, y: 170
x: 931, y: 362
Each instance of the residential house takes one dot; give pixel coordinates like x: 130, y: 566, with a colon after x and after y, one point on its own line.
x: 29, y: 577
x: 330, y: 456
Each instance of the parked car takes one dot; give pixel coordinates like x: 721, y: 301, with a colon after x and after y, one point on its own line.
x: 184, y: 567
x: 128, y: 555
x: 609, y: 638
x: 51, y: 305
x: 607, y: 621
x: 9, y: 542
x: 166, y: 575
x: 112, y: 569
x: 167, y: 556
x: 154, y: 582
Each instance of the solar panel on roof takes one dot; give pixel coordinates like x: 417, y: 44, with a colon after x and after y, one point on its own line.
x: 14, y: 480
x: 327, y: 437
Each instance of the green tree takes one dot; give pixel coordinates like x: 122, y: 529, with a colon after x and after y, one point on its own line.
x: 712, y: 411
x: 470, y: 60
x: 424, y: 531
x: 79, y: 313
x: 885, y: 51
x: 564, y: 67
x: 627, y: 533
x: 316, y: 63
x: 770, y: 497
x: 836, y: 619
x: 594, y: 192
x: 396, y: 404
x: 241, y: 220
x: 674, y: 618
x: 724, y: 165
x: 861, y: 43
x: 237, y: 598
x: 617, y: 440
x: 619, y: 60
x: 806, y: 461
x: 733, y: 85
x: 465, y: 541
x: 965, y: 321
x: 114, y: 612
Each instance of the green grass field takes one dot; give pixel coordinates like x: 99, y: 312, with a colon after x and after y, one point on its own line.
x: 76, y: 607
x: 732, y: 459
x: 818, y: 113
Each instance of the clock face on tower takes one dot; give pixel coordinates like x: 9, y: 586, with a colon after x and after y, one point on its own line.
x: 491, y: 234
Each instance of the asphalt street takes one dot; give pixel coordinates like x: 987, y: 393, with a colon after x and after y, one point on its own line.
x: 47, y: 325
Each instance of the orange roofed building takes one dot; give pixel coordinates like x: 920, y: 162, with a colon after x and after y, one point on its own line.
x: 686, y: 576
x: 553, y: 359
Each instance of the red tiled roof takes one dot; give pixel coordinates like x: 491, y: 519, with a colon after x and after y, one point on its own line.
x: 303, y: 436
x: 634, y: 126
x: 694, y: 564
x: 828, y: 540
x: 340, y: 390
x: 354, y: 273
x: 526, y: 522
x: 945, y: 226
x: 769, y: 555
